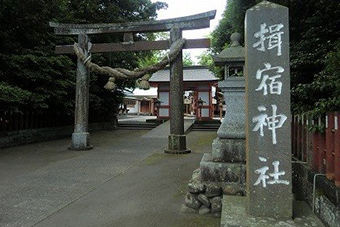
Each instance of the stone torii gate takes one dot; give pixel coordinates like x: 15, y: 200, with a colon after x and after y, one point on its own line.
x: 177, y: 139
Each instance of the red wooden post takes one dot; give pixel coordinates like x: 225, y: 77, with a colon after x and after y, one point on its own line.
x: 315, y: 147
x: 309, y: 143
x: 321, y: 150
x: 304, y: 139
x: 322, y: 153
x: 329, y: 145
x: 337, y: 149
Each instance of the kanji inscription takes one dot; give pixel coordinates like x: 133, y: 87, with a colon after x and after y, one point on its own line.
x: 268, y: 114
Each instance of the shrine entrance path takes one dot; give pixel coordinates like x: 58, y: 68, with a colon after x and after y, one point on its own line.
x: 126, y: 180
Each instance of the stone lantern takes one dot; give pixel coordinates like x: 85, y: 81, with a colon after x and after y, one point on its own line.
x: 233, y: 88
x: 223, y: 170
x: 226, y: 163
x: 232, y: 58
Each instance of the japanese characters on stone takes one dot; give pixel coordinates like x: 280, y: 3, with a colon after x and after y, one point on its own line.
x: 269, y: 38
x: 269, y: 78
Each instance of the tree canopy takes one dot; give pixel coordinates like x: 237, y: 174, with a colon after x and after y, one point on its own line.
x: 314, y: 49
x: 33, y: 77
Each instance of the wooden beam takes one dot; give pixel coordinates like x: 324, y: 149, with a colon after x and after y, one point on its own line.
x: 136, y: 46
x: 196, y: 21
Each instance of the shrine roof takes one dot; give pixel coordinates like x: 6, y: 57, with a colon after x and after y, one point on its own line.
x: 190, y: 74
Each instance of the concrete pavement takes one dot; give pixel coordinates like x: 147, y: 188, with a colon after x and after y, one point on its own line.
x: 126, y: 180
x: 163, y: 130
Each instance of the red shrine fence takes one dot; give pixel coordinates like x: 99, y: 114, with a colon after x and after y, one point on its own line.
x: 319, y: 149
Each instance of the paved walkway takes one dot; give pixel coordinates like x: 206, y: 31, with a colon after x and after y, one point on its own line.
x: 163, y: 130
x: 135, y: 118
x: 126, y: 180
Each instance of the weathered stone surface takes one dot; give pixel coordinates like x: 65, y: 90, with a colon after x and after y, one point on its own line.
x: 80, y: 141
x: 177, y: 144
x: 192, y: 201
x: 216, y: 199
x: 196, y: 175
x: 176, y: 139
x: 234, y: 213
x: 220, y: 172
x: 229, y: 150
x: 213, y: 190
x: 81, y: 136
x: 217, y: 214
x: 204, y: 200
x: 216, y: 204
x: 327, y: 211
x: 204, y: 210
x: 233, y: 124
x: 234, y: 189
x: 188, y: 210
x: 196, y: 187
x: 268, y: 111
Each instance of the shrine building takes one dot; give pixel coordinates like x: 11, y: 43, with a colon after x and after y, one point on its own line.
x: 199, y: 86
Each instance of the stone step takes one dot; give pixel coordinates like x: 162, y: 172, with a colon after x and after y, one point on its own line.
x: 136, y: 126
x: 205, y: 127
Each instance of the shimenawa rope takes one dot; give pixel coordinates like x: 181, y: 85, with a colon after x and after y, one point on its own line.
x: 120, y: 73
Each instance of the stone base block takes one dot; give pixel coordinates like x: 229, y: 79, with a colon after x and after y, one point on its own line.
x: 177, y: 145
x: 221, y: 171
x: 234, y: 213
x: 80, y: 141
x: 229, y: 150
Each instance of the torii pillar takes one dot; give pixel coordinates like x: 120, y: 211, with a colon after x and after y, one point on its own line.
x: 81, y: 136
x: 176, y: 139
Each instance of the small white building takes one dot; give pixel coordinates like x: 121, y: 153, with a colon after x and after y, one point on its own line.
x: 140, y: 101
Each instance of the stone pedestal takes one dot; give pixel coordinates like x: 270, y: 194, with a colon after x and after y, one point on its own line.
x: 234, y: 213
x: 80, y: 141
x: 228, y: 150
x: 222, y: 172
x: 226, y: 163
x: 177, y: 145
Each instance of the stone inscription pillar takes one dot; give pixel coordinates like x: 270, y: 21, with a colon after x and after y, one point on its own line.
x: 81, y: 136
x: 176, y: 139
x: 268, y: 130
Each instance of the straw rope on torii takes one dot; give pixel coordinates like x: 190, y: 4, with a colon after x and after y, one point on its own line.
x: 120, y: 73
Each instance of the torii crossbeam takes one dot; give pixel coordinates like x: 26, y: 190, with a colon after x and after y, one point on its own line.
x: 177, y: 139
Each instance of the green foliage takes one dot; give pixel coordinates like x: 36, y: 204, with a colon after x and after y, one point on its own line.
x: 323, y: 93
x: 187, y: 61
x: 33, y: 77
x: 232, y: 21
x: 314, y: 55
x: 314, y: 33
x: 206, y: 59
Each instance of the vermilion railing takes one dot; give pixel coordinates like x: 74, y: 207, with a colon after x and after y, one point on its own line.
x: 319, y: 149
